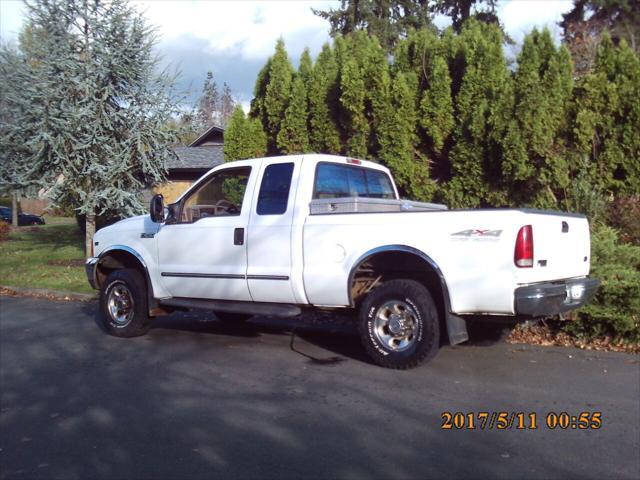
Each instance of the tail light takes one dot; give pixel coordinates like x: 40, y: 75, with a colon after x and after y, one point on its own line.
x: 523, y: 255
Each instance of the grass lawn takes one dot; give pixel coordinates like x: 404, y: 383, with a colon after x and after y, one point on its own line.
x: 47, y: 256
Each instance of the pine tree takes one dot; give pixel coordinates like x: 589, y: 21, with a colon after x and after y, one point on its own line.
x: 323, y: 103
x: 293, y: 136
x: 95, y: 111
x: 244, y: 137
x: 386, y: 20
x: 227, y: 105
x: 278, y: 91
x: 207, y: 109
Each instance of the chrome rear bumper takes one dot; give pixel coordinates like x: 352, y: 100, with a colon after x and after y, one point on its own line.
x: 551, y: 298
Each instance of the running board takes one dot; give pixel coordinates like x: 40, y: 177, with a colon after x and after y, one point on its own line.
x: 252, y: 308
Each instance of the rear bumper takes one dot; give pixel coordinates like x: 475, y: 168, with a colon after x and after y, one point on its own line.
x: 90, y: 268
x: 547, y: 299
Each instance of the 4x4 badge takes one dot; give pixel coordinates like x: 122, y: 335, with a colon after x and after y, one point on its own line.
x: 476, y: 232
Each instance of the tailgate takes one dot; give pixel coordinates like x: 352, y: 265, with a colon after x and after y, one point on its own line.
x: 561, y: 247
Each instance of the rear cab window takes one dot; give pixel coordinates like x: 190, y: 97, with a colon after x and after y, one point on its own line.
x: 274, y: 189
x: 334, y: 180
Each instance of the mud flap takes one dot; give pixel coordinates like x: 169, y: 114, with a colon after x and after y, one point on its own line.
x: 456, y: 329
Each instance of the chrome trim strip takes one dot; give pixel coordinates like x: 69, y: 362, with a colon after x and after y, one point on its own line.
x: 202, y: 275
x: 222, y: 275
x: 267, y: 277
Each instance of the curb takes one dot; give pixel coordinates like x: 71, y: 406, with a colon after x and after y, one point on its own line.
x: 6, y: 290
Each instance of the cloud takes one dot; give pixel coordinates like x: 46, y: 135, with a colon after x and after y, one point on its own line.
x: 248, y: 29
x: 519, y: 17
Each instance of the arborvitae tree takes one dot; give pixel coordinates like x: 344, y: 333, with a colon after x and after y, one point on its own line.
x: 277, y: 94
x: 482, y: 106
x: 377, y: 82
x: 606, y: 131
x: 354, y: 120
x: 244, y: 137
x: 398, y: 141
x: 293, y: 136
x: 259, y: 93
x: 323, y: 103
x: 305, y: 70
x: 95, y: 110
x: 436, y: 106
x: 535, y: 158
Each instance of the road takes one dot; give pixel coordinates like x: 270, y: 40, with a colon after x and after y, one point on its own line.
x: 195, y: 398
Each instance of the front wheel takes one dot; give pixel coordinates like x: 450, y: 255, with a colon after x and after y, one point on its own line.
x: 123, y: 304
x: 398, y: 324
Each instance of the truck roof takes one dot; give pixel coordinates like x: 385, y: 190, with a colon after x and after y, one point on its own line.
x: 319, y: 157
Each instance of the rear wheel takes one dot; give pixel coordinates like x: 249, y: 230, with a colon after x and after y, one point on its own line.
x: 398, y: 324
x: 123, y: 304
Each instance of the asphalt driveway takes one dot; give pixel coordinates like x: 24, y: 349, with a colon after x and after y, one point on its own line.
x: 198, y: 399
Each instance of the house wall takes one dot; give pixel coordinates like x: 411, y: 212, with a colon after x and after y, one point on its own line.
x: 33, y: 205
x: 172, y: 190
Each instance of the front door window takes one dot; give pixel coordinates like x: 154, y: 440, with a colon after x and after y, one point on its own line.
x: 219, y: 196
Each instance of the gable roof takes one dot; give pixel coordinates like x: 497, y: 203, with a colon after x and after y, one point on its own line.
x: 213, y: 136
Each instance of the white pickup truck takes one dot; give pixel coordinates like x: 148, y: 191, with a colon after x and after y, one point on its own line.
x: 276, y: 236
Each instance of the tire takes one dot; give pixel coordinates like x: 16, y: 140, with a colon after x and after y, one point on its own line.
x: 231, y: 318
x: 123, y: 304
x: 399, y: 325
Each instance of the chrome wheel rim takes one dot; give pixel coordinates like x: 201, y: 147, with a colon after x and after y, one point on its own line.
x: 120, y: 304
x: 396, y: 326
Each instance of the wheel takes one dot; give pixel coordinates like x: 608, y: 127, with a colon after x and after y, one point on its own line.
x: 399, y: 325
x: 227, y: 317
x: 123, y: 304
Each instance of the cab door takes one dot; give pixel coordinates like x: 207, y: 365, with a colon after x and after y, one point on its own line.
x: 202, y: 251
x: 269, y: 271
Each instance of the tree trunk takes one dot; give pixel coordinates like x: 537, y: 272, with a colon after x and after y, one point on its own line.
x: 90, y: 230
x: 14, y: 209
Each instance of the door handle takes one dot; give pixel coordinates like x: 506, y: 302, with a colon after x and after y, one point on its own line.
x: 238, y: 236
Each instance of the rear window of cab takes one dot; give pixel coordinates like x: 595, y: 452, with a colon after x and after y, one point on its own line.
x: 334, y: 180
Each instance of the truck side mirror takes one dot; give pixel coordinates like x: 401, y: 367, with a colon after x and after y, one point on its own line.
x: 156, y: 208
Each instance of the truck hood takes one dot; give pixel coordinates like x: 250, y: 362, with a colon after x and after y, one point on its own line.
x: 131, y: 223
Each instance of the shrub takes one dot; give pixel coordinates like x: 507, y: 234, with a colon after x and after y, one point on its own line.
x: 615, y: 309
x: 4, y: 231
x: 624, y: 215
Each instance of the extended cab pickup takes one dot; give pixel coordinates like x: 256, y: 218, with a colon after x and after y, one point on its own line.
x: 275, y: 236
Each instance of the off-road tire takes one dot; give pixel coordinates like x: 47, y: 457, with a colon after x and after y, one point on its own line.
x: 427, y: 326
x: 139, y: 322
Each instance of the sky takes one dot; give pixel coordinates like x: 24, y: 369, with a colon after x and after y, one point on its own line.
x: 234, y: 38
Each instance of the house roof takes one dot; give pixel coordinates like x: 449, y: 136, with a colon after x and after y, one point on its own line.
x: 212, y: 136
x: 196, y: 158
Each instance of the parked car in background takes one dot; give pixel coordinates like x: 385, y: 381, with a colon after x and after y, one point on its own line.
x: 23, y: 218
